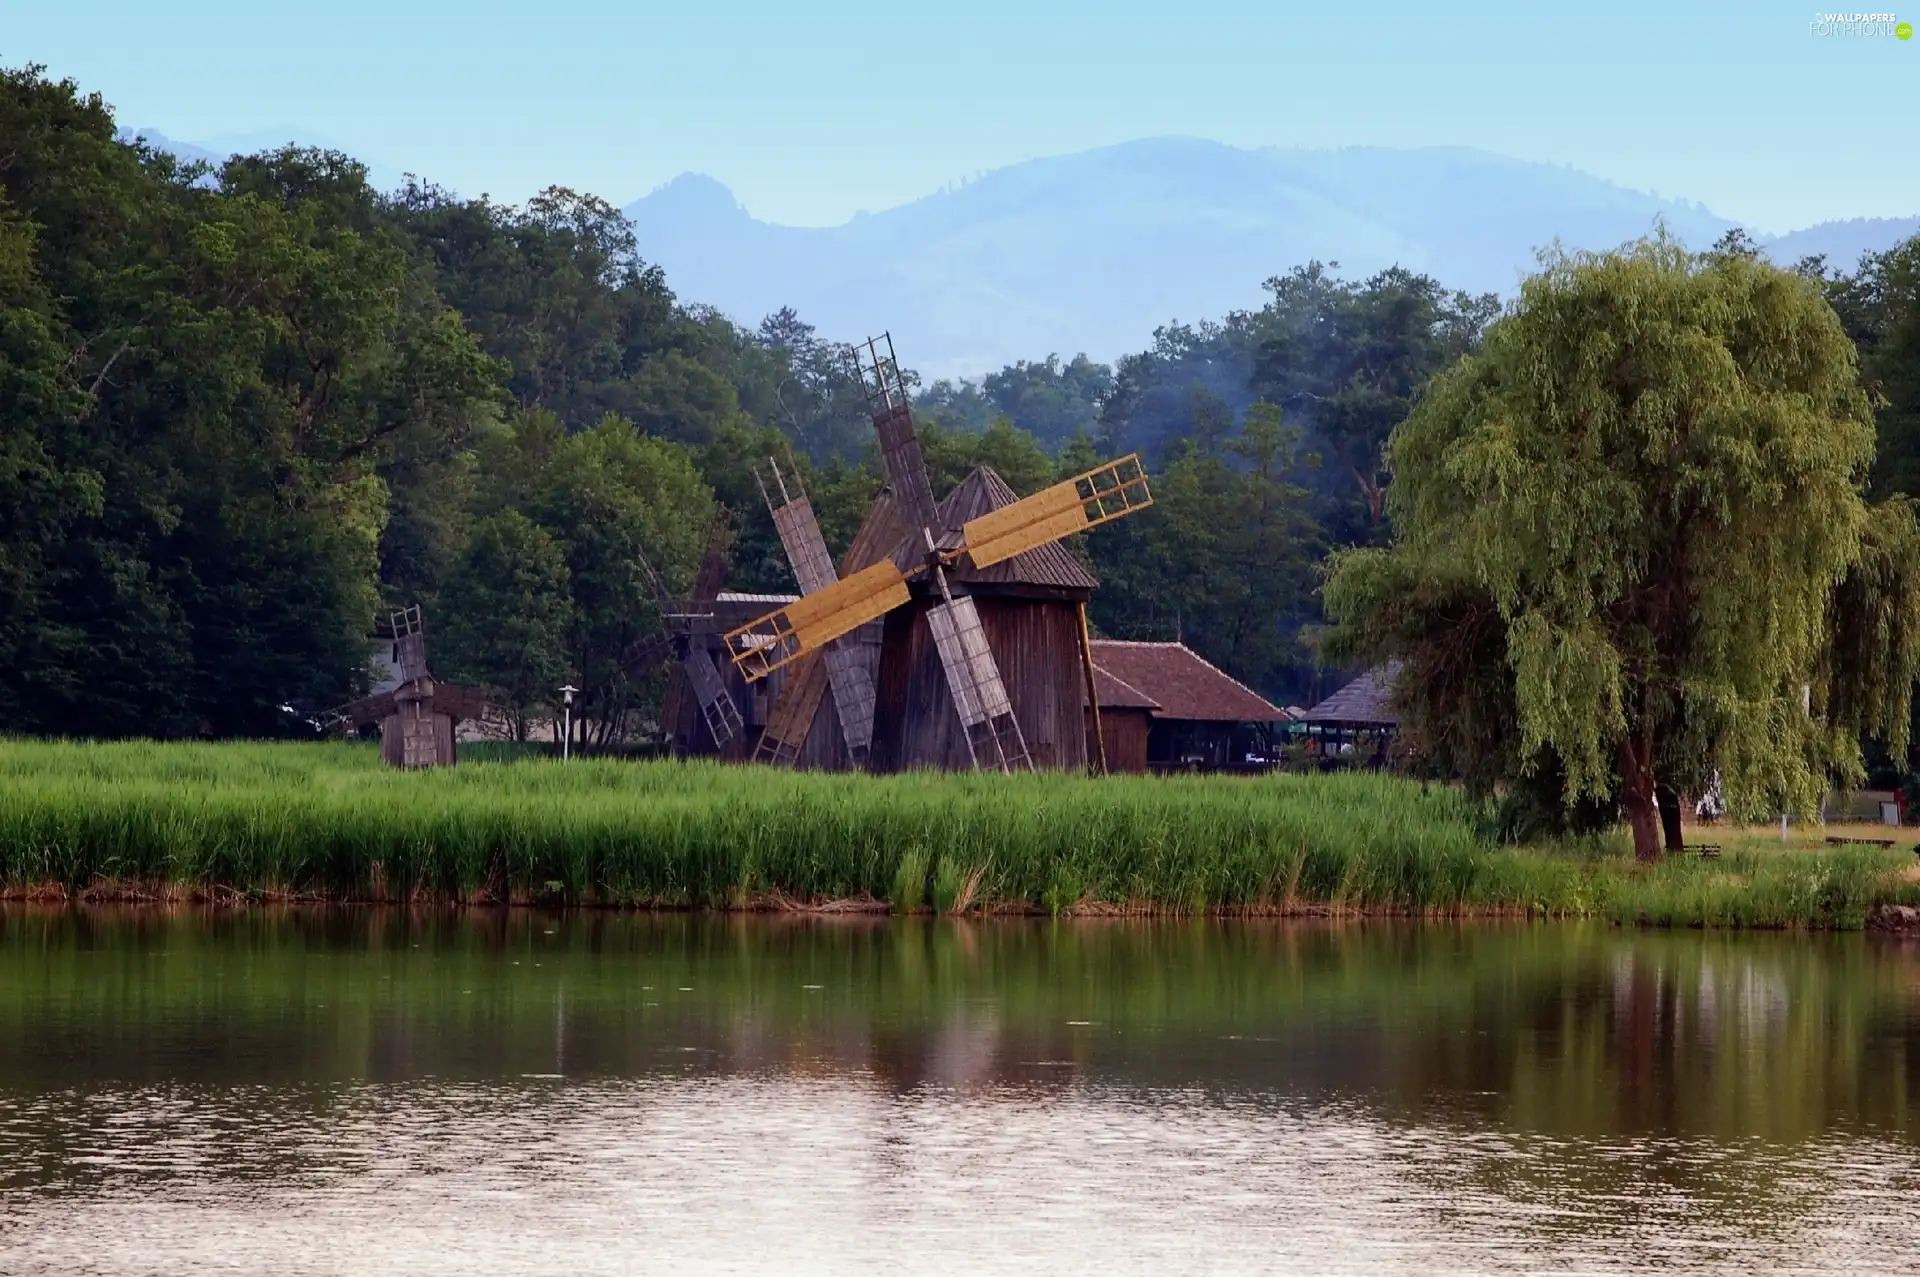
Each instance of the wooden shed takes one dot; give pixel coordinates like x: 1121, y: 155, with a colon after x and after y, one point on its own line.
x: 1198, y: 717
x: 1029, y: 607
x: 1125, y: 721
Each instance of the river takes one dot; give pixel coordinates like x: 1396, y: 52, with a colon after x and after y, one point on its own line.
x: 376, y: 1091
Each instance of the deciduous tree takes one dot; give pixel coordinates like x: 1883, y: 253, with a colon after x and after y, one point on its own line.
x: 1642, y: 495
x: 507, y: 612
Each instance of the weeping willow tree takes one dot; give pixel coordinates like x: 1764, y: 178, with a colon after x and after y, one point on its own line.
x: 1631, y: 543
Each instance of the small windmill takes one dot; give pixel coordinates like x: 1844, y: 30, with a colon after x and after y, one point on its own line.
x: 417, y: 717
x: 831, y: 609
x: 692, y: 633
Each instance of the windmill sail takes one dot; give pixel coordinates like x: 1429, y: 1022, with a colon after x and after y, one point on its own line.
x: 809, y: 623
x: 846, y: 666
x: 793, y: 713
x: 409, y: 644
x: 900, y: 452
x: 993, y: 734
x: 716, y: 706
x: 691, y: 624
x: 1101, y: 495
x: 646, y: 655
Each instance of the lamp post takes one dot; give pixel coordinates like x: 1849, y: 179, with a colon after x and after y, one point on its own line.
x: 566, y: 741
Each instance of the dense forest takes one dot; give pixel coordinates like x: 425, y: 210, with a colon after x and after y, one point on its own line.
x: 245, y: 409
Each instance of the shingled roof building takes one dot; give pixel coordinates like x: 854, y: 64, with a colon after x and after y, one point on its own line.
x: 1364, y: 709
x: 1163, y: 707
x: 1365, y: 703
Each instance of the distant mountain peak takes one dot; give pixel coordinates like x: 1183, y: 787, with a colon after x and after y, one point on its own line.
x: 696, y: 194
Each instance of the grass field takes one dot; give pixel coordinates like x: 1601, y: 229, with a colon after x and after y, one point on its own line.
x: 327, y: 821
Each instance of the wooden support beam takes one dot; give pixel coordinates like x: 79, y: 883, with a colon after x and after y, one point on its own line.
x: 1098, y: 763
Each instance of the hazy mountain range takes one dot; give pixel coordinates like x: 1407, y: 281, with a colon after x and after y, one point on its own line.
x: 1090, y: 252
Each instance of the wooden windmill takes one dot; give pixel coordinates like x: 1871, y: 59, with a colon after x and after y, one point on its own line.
x: 950, y: 553
x: 697, y: 694
x: 417, y: 716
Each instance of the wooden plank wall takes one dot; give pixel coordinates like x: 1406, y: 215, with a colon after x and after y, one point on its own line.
x: 393, y: 740
x: 1036, y: 644
x: 1125, y: 734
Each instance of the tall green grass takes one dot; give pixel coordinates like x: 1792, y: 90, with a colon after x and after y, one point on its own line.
x: 329, y: 820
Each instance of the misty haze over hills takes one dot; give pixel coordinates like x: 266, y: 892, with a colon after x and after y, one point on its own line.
x: 1091, y: 252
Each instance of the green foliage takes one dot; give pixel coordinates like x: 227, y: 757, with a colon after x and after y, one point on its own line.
x: 949, y: 882
x: 1879, y: 307
x: 317, y: 817
x: 810, y: 389
x: 1353, y: 357
x: 201, y: 501
x: 1013, y: 454
x: 1535, y: 808
x: 1049, y: 400
x: 1653, y: 474
x: 611, y: 500
x: 1225, y: 559
x: 910, y: 881
x: 509, y: 613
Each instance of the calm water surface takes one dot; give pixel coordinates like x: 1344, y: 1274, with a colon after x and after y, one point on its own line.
x: 379, y: 1091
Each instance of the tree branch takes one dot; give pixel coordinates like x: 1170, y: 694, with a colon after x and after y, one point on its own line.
x: 93, y: 391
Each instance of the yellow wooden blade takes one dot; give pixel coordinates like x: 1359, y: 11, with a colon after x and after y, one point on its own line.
x: 1101, y: 495
x: 806, y: 624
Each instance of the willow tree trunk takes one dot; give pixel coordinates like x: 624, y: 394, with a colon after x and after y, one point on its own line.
x: 1637, y: 797
x: 1670, y: 819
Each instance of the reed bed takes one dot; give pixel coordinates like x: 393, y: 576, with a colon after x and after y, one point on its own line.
x: 252, y: 821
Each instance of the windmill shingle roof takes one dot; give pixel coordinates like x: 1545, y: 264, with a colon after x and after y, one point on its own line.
x: 1181, y: 683
x: 979, y: 493
x: 1366, y: 700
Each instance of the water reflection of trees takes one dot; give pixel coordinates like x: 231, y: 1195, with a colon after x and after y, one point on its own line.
x: 1562, y: 1030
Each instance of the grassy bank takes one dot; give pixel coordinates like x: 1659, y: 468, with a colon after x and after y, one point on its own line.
x: 328, y: 821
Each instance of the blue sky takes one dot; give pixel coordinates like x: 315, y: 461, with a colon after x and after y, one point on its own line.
x: 812, y: 109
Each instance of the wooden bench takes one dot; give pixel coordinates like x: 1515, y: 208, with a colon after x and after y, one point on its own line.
x: 1860, y: 842
x: 1706, y: 850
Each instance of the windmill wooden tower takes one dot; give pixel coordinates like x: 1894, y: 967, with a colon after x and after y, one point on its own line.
x: 939, y: 695
x: 418, y: 716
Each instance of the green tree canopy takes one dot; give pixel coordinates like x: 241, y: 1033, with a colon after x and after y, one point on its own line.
x: 1225, y: 558
x: 1643, y: 494
x: 509, y: 615
x: 1351, y: 357
x: 609, y: 497
x: 202, y: 495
